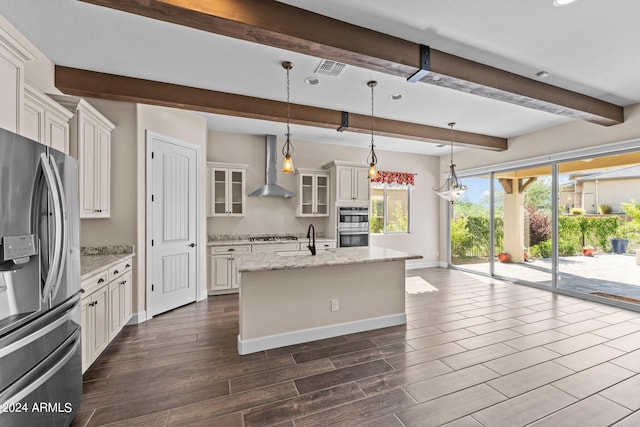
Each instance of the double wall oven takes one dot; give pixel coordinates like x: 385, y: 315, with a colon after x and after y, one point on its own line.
x: 353, y: 226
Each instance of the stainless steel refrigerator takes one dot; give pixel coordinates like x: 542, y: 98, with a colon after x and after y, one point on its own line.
x: 40, y: 352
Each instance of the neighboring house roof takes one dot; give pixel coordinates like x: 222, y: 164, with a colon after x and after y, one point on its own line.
x: 621, y: 173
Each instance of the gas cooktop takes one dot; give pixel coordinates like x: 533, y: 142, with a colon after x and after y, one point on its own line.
x: 272, y: 238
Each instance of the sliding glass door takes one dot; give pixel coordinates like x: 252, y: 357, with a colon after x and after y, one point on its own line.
x: 504, y: 226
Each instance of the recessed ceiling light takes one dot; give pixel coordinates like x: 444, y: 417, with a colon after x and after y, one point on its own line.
x: 396, y: 96
x: 560, y: 3
x: 312, y: 81
x: 542, y: 74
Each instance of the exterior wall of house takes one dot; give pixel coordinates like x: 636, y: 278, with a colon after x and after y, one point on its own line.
x: 611, y: 192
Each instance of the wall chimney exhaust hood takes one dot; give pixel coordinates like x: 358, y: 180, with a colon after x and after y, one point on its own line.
x: 271, y: 189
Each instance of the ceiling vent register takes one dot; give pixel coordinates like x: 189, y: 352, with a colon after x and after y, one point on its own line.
x: 330, y: 68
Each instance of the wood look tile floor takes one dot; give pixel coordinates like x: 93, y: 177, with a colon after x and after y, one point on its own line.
x: 478, y: 352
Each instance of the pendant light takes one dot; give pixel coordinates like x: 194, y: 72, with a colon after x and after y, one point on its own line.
x: 451, y: 189
x: 287, y: 148
x: 372, y: 159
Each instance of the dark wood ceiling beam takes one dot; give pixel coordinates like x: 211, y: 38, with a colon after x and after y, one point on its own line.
x: 279, y: 25
x: 78, y: 82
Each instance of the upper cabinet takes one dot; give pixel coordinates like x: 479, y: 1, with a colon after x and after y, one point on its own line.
x: 313, y: 190
x: 226, y: 189
x: 351, y: 182
x: 90, y: 143
x: 13, y: 56
x: 44, y: 120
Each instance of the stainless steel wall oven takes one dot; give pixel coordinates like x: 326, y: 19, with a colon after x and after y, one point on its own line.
x: 353, y: 226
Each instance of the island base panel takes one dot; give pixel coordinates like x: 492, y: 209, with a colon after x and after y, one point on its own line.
x: 291, y: 306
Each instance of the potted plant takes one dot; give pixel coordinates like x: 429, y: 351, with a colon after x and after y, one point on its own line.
x: 503, y: 257
x: 619, y: 240
x: 587, y: 250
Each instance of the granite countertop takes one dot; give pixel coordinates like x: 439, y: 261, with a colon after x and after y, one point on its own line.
x: 246, y: 241
x: 95, y: 259
x: 264, y: 261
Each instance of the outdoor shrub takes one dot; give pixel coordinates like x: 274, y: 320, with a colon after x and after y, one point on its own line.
x: 605, y: 208
x: 577, y: 211
x: 541, y: 250
x: 461, y: 238
x: 539, y: 226
x: 568, y: 248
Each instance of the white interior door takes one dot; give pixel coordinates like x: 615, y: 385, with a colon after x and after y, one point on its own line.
x: 173, y: 224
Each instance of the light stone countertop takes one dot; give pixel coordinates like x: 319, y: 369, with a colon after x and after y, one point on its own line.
x: 248, y: 242
x: 264, y: 261
x: 91, y: 264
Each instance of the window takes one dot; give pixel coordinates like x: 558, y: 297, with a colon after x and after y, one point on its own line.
x: 390, y: 206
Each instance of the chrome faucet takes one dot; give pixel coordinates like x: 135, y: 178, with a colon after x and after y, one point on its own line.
x: 311, y: 246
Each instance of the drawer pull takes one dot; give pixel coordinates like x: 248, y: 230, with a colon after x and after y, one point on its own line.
x: 231, y: 250
x: 116, y: 272
x: 82, y: 290
x: 101, y: 280
x: 127, y: 266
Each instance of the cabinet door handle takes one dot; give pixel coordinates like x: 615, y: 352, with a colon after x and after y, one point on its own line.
x: 124, y: 282
x: 192, y: 245
x: 82, y: 290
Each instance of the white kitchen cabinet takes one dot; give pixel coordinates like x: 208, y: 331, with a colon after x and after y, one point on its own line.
x: 13, y: 57
x: 226, y: 189
x: 44, y: 120
x: 90, y: 143
x: 119, y: 298
x: 95, y: 325
x: 105, y: 307
x: 223, y: 270
x: 351, y: 183
x: 313, y: 190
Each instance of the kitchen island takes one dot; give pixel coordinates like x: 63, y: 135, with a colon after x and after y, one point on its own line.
x: 294, y: 297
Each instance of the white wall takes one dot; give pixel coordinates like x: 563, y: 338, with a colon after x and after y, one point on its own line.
x: 268, y: 215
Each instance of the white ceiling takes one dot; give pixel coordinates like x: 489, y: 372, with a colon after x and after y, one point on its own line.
x: 586, y: 47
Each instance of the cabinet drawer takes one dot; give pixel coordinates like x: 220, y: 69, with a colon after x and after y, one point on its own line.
x: 219, y: 250
x: 276, y: 247
x: 119, y: 269
x: 94, y: 282
x: 321, y: 245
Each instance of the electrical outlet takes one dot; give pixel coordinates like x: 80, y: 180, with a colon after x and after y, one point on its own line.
x: 335, y: 305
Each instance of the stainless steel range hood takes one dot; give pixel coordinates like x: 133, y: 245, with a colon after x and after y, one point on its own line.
x: 271, y: 189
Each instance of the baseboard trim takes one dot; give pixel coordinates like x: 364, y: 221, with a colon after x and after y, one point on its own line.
x: 137, y: 318
x: 431, y: 264
x: 322, y: 332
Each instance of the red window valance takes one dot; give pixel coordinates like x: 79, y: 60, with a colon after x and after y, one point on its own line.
x: 394, y: 178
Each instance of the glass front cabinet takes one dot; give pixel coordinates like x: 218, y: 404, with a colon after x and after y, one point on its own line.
x: 226, y: 189
x: 313, y: 193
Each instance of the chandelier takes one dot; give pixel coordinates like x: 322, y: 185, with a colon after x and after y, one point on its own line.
x: 372, y: 159
x: 287, y: 148
x: 452, y: 188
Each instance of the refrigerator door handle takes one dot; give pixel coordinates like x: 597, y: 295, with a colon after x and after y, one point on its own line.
x: 65, y: 352
x: 64, y: 244
x: 52, y: 274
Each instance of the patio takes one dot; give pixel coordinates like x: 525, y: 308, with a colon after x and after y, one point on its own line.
x: 615, y: 275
